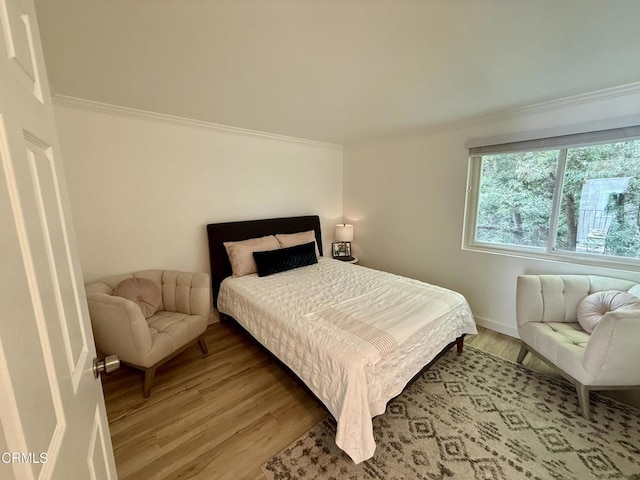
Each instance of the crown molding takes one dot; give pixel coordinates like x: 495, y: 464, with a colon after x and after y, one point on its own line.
x: 582, y: 98
x: 505, y: 114
x: 75, y: 102
x: 510, y: 113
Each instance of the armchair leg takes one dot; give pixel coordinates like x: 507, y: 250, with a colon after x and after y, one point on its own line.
x: 149, y: 374
x: 583, y: 400
x: 203, y: 344
x: 522, y: 353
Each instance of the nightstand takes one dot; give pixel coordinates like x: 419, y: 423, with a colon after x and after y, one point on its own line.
x: 353, y: 260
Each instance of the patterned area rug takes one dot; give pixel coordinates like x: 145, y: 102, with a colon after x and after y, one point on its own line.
x: 479, y: 417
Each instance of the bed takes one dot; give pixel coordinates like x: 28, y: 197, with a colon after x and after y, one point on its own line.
x: 355, y: 336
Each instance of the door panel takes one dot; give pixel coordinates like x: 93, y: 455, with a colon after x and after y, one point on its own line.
x: 16, y: 25
x: 41, y: 431
x: 52, y: 413
x: 98, y: 458
x: 46, y: 193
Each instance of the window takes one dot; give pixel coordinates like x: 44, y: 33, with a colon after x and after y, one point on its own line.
x: 575, y: 196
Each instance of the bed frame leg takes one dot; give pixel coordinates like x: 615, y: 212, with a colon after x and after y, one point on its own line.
x: 459, y: 344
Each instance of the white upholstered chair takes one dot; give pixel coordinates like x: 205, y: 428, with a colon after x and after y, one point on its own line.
x: 120, y: 328
x: 606, y: 359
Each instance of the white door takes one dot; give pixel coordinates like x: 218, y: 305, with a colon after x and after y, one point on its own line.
x: 52, y: 416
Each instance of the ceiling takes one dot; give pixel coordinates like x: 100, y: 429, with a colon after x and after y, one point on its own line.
x: 338, y: 71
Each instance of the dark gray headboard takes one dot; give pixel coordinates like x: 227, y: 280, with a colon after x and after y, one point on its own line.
x: 234, y: 231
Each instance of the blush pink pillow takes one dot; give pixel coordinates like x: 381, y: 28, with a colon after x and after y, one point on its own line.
x: 141, y: 291
x: 292, y: 239
x: 592, y: 308
x: 241, y: 253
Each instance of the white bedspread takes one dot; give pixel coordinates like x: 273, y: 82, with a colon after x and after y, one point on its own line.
x: 354, y: 335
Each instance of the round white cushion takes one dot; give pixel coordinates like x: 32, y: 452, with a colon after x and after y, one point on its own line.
x: 595, y: 306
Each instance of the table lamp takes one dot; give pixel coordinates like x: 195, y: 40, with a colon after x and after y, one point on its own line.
x: 343, y: 239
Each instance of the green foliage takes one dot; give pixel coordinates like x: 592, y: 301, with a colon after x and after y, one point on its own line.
x: 623, y: 238
x: 516, y: 197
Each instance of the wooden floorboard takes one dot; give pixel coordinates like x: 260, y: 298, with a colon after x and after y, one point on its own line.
x: 218, y: 416
x: 222, y: 415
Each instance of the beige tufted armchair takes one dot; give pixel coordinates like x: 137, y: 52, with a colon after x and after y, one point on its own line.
x: 606, y: 359
x: 120, y: 328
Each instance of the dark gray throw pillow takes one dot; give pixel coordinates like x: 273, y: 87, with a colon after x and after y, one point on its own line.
x: 274, y: 261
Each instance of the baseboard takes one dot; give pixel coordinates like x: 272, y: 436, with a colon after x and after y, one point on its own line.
x: 497, y: 327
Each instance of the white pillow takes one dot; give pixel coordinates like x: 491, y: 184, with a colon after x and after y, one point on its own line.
x: 241, y: 253
x: 595, y: 306
x: 293, y: 239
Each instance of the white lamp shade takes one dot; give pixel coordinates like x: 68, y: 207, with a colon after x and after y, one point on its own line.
x: 344, y: 233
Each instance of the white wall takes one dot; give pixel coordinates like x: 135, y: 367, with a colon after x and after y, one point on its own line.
x: 406, y: 197
x: 143, y: 190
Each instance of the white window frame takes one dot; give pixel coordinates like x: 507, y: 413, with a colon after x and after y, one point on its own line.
x: 561, y: 143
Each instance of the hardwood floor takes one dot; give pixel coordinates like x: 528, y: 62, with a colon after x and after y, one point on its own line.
x: 506, y: 347
x: 222, y: 415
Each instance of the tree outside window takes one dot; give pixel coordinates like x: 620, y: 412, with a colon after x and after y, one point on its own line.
x: 597, y: 212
